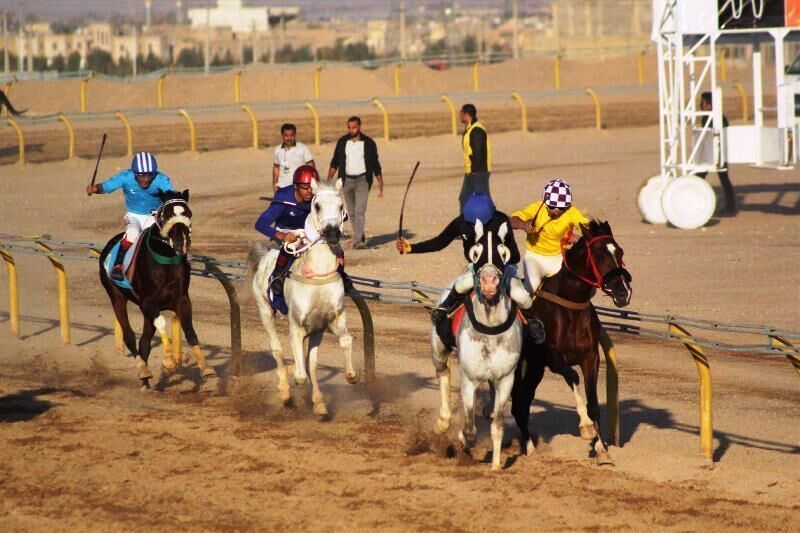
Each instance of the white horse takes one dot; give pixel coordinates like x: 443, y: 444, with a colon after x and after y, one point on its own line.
x: 488, y: 342
x: 313, y: 291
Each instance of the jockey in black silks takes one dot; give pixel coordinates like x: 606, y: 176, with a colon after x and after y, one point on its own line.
x: 287, y: 213
x: 478, y: 207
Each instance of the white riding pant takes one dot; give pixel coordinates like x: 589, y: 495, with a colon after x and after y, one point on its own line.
x: 135, y: 224
x: 466, y: 281
x: 538, y: 267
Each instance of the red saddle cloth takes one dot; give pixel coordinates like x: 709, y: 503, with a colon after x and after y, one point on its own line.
x: 458, y: 315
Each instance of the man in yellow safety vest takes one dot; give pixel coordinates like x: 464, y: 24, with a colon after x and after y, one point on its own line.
x: 477, y: 155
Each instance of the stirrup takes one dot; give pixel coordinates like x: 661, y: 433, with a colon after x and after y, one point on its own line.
x: 117, y: 273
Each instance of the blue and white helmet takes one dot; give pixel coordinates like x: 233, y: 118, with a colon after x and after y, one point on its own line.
x: 144, y: 163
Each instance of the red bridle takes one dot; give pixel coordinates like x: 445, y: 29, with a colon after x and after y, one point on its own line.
x: 591, y: 266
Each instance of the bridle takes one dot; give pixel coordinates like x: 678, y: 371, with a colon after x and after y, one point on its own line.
x: 164, y: 226
x: 600, y: 281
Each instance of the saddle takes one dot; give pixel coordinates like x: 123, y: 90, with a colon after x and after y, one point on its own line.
x: 128, y: 262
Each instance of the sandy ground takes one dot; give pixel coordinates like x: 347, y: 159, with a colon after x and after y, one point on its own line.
x: 84, y: 449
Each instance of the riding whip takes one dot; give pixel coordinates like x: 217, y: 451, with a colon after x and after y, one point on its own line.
x: 102, y: 144
x: 403, y: 206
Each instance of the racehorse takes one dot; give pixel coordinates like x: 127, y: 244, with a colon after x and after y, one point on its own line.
x: 314, y: 294
x: 4, y: 101
x: 161, y: 283
x: 573, y: 329
x: 488, y: 342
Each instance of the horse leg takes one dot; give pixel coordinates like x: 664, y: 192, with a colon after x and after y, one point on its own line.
x: 590, y: 368
x: 502, y: 388
x: 184, y: 312
x: 527, y: 376
x: 339, y: 328
x: 488, y: 407
x: 150, y: 313
x: 443, y: 421
x: 314, y: 341
x: 169, y: 361
x: 120, y: 305
x: 296, y: 336
x: 586, y: 425
x: 468, y: 390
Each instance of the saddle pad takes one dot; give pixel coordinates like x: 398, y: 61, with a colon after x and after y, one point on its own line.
x: 130, y: 254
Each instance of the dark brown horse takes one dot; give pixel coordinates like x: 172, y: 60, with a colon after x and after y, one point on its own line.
x: 573, y: 330
x: 160, y: 283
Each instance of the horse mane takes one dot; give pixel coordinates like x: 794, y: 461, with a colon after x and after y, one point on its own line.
x: 595, y: 227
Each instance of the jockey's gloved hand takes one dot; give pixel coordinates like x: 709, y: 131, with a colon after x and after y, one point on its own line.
x: 403, y: 246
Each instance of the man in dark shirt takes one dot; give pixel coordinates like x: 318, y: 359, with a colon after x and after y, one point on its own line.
x: 355, y: 159
x: 727, y: 187
x: 477, y: 155
x: 477, y: 207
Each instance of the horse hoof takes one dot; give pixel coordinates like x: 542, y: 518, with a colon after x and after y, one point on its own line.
x: 530, y: 448
x: 441, y: 426
x: 320, y: 409
x: 588, y: 432
x: 299, y: 382
x: 353, y: 378
x: 604, y: 459
x: 284, y: 395
x: 496, y: 468
x: 145, y: 386
x: 468, y: 442
x: 145, y: 374
x: 209, y: 372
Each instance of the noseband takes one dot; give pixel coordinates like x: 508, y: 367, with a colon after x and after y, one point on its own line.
x: 600, y: 281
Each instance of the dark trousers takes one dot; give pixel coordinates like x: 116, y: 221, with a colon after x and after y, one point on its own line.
x: 477, y: 181
x: 727, y: 190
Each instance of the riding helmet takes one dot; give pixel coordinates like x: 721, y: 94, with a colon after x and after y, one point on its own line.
x: 557, y: 194
x: 144, y: 163
x: 305, y: 174
x: 478, y: 207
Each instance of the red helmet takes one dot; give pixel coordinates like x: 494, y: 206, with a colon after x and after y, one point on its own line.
x: 305, y: 174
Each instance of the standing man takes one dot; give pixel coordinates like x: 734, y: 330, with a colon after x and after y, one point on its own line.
x: 289, y: 156
x: 477, y: 155
x: 355, y: 159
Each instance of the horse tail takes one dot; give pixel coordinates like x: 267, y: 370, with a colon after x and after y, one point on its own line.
x: 5, y: 101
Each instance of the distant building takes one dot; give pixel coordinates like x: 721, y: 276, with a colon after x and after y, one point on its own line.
x: 231, y: 14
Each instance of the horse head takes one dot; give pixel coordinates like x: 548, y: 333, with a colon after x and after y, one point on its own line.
x: 327, y: 211
x: 174, y: 221
x: 597, y: 260
x: 490, y: 252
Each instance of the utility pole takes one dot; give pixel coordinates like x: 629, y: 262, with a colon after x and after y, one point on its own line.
x: 403, y: 31
x: 6, y: 66
x: 254, y: 34
x: 148, y: 16
x: 207, y: 55
x: 135, y: 50
x: 21, y: 42
x: 515, y: 34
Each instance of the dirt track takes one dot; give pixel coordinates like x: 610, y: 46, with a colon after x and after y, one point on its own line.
x: 83, y: 449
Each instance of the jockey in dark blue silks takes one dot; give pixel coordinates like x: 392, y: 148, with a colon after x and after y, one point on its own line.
x: 287, y: 212
x: 143, y: 186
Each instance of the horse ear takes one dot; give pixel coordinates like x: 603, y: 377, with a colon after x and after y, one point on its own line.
x: 478, y: 230
x: 338, y: 185
x: 185, y: 195
x: 503, y: 231
x: 314, y: 186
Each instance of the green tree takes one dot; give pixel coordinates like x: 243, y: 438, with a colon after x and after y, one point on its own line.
x: 40, y: 63
x: 100, y: 61
x: 59, y: 63
x: 74, y: 61
x: 12, y: 61
x: 151, y: 63
x: 470, y: 45
x: 189, y: 57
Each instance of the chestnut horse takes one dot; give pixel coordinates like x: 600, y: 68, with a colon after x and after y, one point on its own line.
x: 161, y: 283
x: 573, y: 330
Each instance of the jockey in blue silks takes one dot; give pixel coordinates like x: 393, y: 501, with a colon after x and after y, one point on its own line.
x: 287, y: 213
x: 143, y: 186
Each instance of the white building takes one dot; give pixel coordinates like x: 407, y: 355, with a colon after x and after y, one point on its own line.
x: 231, y: 14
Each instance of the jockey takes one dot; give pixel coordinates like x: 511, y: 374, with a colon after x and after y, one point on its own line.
x: 286, y: 214
x: 546, y: 228
x: 478, y: 206
x: 142, y: 185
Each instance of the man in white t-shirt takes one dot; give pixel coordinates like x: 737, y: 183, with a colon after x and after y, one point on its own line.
x: 288, y: 156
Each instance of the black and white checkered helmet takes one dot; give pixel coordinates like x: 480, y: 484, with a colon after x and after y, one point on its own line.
x: 557, y: 194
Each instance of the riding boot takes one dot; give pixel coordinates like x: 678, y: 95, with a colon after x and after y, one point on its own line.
x: 280, y: 272
x: 117, y: 272
x: 535, y: 326
x: 439, y: 314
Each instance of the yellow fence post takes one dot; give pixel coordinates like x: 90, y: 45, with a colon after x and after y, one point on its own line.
x: 397, y: 79
x: 452, y: 108
x: 704, y: 371
x: 782, y: 343
x: 317, y: 73
x: 598, y: 111
x: 314, y: 114
x: 63, y: 291
x: 380, y: 106
x: 723, y: 67
x: 237, y: 80
x: 84, y: 83
x: 128, y: 131
x: 64, y: 119
x: 254, y: 122
x: 557, y: 71
x: 522, y: 110
x: 20, y: 140
x: 192, y: 132
x: 612, y: 386
x: 743, y: 96
x: 475, y: 80
x: 176, y: 340
x: 13, y: 293
x: 160, y: 90
x: 640, y: 68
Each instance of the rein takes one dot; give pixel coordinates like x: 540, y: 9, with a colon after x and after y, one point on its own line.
x: 558, y: 300
x: 591, y: 266
x: 491, y: 330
